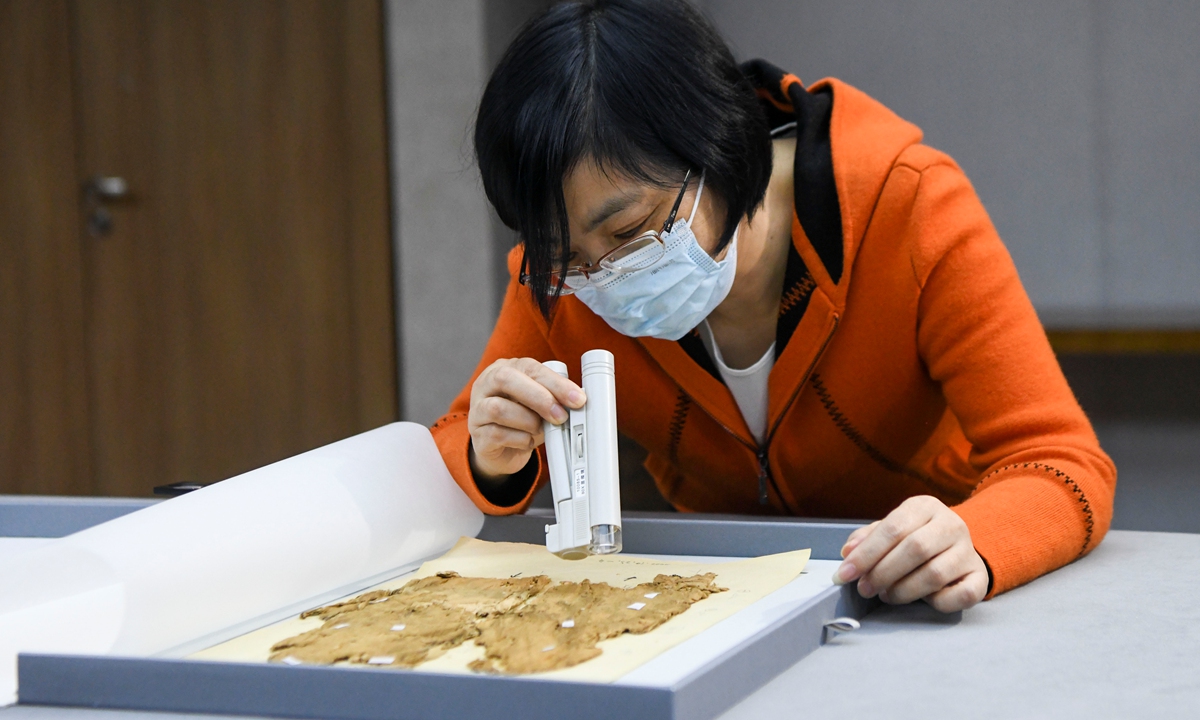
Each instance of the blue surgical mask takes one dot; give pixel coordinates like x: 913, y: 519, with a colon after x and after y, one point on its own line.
x: 670, y: 298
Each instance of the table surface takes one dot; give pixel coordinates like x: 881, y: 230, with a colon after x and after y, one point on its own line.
x: 1113, y: 635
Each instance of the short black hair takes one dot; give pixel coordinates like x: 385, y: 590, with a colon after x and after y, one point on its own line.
x: 646, y: 88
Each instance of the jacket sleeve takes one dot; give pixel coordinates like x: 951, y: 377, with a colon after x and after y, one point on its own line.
x: 520, y: 332
x: 1045, y: 496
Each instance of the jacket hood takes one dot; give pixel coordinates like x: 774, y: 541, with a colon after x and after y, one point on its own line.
x: 846, y: 146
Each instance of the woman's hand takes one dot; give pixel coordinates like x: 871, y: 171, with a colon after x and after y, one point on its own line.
x: 508, y: 402
x: 922, y: 549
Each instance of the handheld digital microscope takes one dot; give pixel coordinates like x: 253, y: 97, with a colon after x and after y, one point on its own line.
x: 584, y: 474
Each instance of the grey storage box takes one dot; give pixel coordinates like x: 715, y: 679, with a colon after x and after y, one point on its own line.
x: 352, y: 693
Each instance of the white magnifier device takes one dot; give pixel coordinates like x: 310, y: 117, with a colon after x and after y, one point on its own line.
x: 584, y: 474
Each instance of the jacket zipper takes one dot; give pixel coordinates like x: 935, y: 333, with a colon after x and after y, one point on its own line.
x: 764, y: 472
x: 764, y: 463
x: 764, y: 467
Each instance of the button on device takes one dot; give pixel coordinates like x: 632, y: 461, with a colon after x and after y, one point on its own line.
x: 578, y: 432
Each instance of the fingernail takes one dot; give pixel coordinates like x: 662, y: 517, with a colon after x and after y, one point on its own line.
x: 883, y: 595
x: 844, y: 574
x: 865, y: 588
x: 558, y: 413
x: 576, y: 397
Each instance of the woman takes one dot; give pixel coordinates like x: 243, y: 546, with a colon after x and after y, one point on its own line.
x: 810, y: 311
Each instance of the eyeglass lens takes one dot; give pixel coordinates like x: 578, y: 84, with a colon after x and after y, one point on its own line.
x: 641, y: 252
x: 637, y: 254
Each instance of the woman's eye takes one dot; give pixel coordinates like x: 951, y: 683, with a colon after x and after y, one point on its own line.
x: 632, y: 232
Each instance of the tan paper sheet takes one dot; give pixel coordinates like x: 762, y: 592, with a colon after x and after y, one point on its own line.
x: 748, y: 581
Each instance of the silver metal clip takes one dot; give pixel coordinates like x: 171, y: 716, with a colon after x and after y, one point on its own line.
x: 840, y: 625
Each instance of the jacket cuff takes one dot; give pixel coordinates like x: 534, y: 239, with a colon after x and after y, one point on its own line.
x: 1028, y: 522
x: 454, y: 442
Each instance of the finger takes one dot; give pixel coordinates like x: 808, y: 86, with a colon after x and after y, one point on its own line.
x: 935, y: 574
x: 510, y: 382
x: 563, y: 390
x: 496, y: 410
x: 917, y: 548
x: 856, y: 537
x: 960, y: 595
x: 912, y: 514
x: 494, y: 439
x: 496, y: 452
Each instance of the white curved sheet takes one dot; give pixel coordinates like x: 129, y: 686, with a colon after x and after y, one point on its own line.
x: 197, y: 564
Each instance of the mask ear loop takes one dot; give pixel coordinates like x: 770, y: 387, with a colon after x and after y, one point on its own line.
x: 696, y: 203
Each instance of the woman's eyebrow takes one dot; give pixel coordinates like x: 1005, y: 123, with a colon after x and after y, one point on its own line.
x: 611, y: 207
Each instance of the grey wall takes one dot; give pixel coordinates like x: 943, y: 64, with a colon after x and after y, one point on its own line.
x: 443, y: 232
x: 1076, y: 121
x: 449, y: 245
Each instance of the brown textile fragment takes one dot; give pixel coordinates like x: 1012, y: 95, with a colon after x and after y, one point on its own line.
x: 525, y: 625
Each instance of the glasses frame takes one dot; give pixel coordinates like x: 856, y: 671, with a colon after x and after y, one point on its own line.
x: 561, y: 288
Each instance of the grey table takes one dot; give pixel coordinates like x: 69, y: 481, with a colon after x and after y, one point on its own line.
x: 1113, y: 635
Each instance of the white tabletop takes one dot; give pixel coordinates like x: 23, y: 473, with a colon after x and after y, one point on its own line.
x: 1114, y: 635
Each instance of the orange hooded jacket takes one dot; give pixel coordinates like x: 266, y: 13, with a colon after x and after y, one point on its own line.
x: 909, y: 362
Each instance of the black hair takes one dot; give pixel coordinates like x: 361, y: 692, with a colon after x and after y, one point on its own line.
x: 646, y: 88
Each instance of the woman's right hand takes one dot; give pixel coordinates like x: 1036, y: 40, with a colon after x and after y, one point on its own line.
x: 509, y: 400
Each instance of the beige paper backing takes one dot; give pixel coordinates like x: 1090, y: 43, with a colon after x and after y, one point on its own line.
x: 747, y: 581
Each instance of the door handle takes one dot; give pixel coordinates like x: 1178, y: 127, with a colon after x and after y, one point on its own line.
x: 107, y: 187
x: 97, y: 191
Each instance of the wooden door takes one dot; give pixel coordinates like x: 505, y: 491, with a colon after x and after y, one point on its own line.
x: 44, y: 444
x: 239, y: 310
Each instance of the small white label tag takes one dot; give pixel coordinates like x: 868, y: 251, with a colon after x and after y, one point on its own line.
x: 397, y: 628
x: 377, y: 600
x: 568, y: 623
x: 289, y: 660
x: 548, y: 648
x: 636, y: 606
x: 339, y: 626
x: 382, y: 660
x: 650, y: 595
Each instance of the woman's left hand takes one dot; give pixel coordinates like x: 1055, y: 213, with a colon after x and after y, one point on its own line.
x: 922, y: 549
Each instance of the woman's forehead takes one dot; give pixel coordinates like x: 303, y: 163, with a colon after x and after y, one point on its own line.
x: 593, y: 194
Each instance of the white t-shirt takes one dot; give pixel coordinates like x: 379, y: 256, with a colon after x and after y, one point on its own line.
x: 748, y: 386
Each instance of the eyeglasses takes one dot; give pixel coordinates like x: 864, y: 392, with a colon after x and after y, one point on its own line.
x: 632, y: 255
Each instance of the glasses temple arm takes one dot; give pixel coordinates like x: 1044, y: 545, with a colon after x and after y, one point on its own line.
x: 678, y: 200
